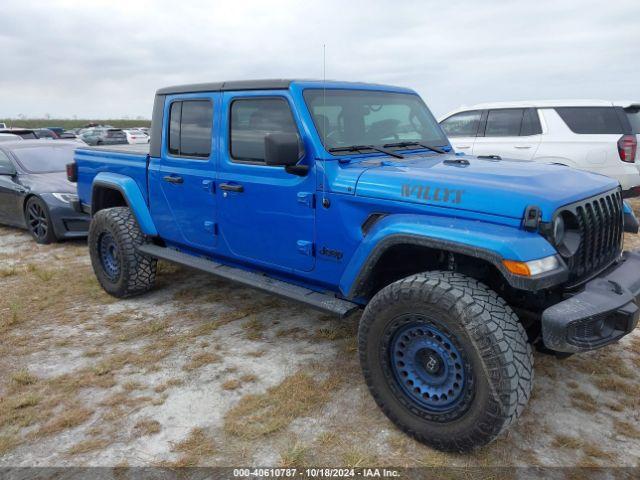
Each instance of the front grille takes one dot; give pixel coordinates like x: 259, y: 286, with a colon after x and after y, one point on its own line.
x: 599, y: 221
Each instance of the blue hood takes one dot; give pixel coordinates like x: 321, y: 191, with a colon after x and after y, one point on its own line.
x: 503, y: 187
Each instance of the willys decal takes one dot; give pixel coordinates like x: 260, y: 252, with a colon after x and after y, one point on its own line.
x: 431, y: 193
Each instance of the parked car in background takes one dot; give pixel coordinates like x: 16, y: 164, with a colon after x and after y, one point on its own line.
x: 35, y: 193
x: 57, y: 130
x: 594, y: 135
x: 104, y: 136
x: 3, y: 125
x: 135, y: 136
x: 24, y: 133
x: 46, y: 133
x: 9, y: 137
x: 68, y: 135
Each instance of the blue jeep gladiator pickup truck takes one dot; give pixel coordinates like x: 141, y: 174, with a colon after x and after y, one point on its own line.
x: 345, y: 196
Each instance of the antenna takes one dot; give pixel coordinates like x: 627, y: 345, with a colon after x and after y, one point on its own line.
x: 325, y: 202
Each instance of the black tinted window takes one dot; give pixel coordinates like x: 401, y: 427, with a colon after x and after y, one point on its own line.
x: 190, y: 124
x: 5, y: 162
x: 174, y: 128
x: 633, y: 114
x: 252, y: 120
x: 45, y: 134
x: 45, y: 159
x: 504, y: 123
x: 463, y: 124
x: 591, y: 120
x: 530, y: 123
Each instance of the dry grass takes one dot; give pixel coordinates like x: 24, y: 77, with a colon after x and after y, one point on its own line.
x: 354, y: 457
x: 232, y: 384
x: 295, y: 396
x: 584, y: 401
x: 566, y: 441
x: 146, y: 427
x: 294, y: 456
x: 172, y: 382
x: 253, y: 328
x: 8, y: 443
x: 593, y: 451
x: 248, y: 378
x: 89, y: 445
x: 23, y: 377
x: 202, y: 359
x: 626, y: 429
x: 195, y: 448
x: 73, y: 416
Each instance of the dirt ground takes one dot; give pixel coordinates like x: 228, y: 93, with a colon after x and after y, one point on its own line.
x: 204, y: 372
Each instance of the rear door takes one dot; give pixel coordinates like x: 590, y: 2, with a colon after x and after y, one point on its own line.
x: 462, y: 128
x: 182, y: 180
x: 510, y: 133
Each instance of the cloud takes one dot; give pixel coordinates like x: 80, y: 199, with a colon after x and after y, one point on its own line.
x: 106, y: 58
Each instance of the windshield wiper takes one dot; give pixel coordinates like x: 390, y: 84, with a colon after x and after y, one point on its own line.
x: 357, y: 148
x: 411, y: 144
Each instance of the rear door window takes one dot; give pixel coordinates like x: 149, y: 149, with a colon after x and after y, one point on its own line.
x: 504, y: 122
x: 633, y: 114
x: 591, y: 120
x: 190, y: 126
x: 530, y: 123
x: 463, y: 124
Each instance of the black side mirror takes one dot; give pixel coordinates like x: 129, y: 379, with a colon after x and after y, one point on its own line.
x: 283, y: 149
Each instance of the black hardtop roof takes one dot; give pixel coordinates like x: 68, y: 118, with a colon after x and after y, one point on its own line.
x: 267, y: 84
x: 273, y: 84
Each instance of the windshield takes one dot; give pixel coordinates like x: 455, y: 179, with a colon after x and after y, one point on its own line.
x: 634, y: 118
x: 45, y: 159
x: 345, y: 118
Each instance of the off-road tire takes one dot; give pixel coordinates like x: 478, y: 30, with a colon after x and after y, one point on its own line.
x: 487, y: 332
x: 137, y: 272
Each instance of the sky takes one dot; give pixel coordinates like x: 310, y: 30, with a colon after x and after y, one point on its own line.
x: 104, y: 59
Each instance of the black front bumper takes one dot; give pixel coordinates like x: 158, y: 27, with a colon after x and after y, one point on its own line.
x: 602, y: 313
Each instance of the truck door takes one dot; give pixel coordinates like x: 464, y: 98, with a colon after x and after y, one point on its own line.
x: 182, y: 181
x: 266, y: 214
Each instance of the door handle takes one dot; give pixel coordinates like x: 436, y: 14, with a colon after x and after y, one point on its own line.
x: 231, y: 187
x: 462, y: 147
x: 172, y: 179
x: 522, y: 147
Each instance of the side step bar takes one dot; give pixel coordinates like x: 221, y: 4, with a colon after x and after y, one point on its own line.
x: 321, y: 301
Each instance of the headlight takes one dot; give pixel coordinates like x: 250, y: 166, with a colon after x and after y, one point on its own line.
x: 66, y: 197
x: 558, y: 230
x: 533, y: 267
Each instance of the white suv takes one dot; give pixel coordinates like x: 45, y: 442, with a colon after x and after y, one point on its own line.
x: 594, y: 135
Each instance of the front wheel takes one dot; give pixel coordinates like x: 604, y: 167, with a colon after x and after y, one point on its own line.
x: 39, y: 221
x: 445, y: 359
x: 121, y: 270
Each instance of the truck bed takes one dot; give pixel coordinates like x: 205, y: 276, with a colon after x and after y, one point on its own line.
x: 128, y: 160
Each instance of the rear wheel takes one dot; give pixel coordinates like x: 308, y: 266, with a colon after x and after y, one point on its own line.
x: 445, y: 359
x: 114, y: 236
x: 38, y: 221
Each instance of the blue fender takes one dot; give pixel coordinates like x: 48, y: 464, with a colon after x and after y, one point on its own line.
x: 129, y: 189
x: 491, y: 242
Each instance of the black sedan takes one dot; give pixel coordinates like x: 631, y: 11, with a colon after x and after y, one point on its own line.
x: 35, y: 193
